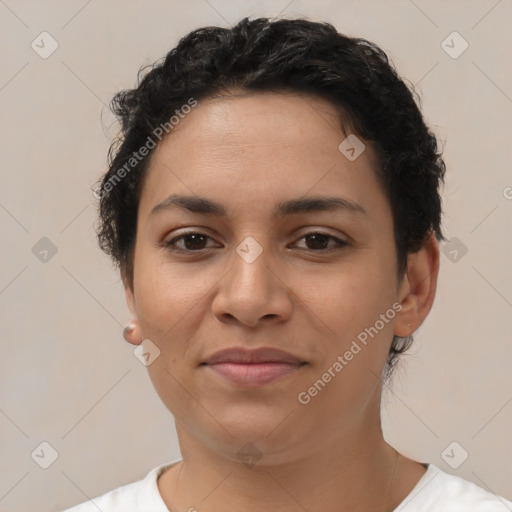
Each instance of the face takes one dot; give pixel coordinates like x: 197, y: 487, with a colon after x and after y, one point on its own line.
x: 312, y: 282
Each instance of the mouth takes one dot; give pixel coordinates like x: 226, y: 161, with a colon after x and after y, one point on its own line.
x: 253, y: 368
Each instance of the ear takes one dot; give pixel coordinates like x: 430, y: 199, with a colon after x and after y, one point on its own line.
x: 418, y: 287
x: 132, y: 332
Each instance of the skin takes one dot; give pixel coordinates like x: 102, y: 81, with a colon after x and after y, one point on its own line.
x: 249, y: 152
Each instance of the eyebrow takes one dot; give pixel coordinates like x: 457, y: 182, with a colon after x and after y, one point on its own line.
x: 206, y: 206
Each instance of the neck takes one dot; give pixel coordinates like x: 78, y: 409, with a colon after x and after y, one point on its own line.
x: 356, y: 471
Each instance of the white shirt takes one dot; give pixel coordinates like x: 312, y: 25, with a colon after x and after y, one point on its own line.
x: 436, y: 491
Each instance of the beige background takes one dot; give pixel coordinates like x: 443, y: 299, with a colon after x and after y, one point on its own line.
x: 67, y: 376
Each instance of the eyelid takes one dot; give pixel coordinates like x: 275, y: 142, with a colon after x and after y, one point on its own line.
x: 340, y: 243
x: 170, y: 244
x: 312, y: 230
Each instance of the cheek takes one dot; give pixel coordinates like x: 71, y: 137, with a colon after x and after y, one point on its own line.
x: 165, y: 291
x: 339, y: 300
x: 349, y: 305
x: 348, y: 298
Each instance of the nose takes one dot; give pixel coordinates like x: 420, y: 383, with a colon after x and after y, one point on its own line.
x: 253, y: 290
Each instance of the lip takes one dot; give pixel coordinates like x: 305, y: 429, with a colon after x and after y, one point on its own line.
x: 252, y: 368
x: 239, y: 355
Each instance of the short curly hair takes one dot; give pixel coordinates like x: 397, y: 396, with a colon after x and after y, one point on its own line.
x: 283, y: 55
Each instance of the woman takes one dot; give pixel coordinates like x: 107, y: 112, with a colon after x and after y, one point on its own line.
x: 273, y: 206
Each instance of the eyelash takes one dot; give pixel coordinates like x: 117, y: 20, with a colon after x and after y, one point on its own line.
x: 170, y: 245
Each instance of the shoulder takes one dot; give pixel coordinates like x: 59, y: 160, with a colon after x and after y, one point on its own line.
x: 442, y: 492
x: 112, y: 501
x: 140, y: 496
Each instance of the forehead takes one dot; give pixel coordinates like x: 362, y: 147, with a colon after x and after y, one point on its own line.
x: 258, y: 149
x: 265, y: 119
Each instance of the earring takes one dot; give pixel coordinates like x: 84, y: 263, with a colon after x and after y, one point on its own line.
x: 128, y: 330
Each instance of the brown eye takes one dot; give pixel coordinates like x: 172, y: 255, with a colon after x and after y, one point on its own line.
x: 193, y: 241
x: 317, y: 242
